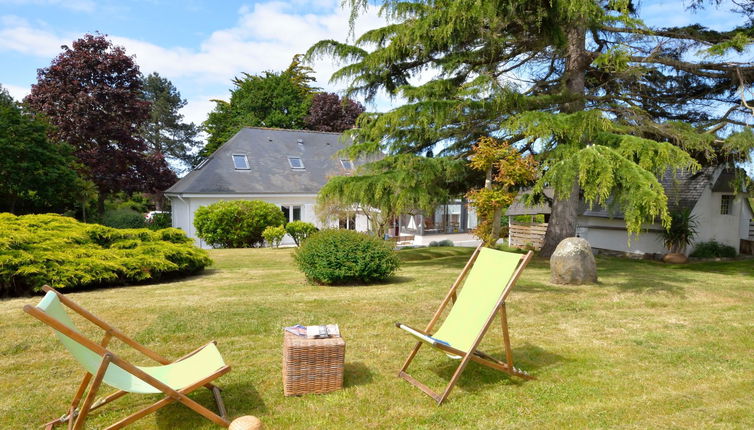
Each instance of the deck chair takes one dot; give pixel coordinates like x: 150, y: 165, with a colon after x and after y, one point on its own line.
x: 489, y: 275
x: 173, y: 379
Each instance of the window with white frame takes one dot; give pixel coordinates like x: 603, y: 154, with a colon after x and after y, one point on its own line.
x: 240, y: 162
x: 296, y: 162
x: 346, y: 163
x: 291, y: 213
x: 347, y: 222
x: 726, y: 204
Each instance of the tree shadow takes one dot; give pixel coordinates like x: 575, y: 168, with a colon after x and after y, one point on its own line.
x: 177, y: 415
x: 356, y: 374
x: 642, y: 276
x: 525, y: 287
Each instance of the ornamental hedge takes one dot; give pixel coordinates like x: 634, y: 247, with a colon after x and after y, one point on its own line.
x: 236, y: 223
x: 59, y: 251
x: 345, y: 257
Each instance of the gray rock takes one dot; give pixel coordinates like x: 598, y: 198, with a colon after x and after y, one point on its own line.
x: 573, y: 262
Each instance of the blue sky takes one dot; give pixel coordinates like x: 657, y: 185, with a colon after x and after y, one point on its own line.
x: 201, y: 45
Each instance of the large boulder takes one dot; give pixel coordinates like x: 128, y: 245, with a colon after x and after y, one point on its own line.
x: 573, y: 262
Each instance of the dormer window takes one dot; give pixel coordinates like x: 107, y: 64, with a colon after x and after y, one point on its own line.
x: 240, y: 162
x: 296, y: 162
x: 347, y: 164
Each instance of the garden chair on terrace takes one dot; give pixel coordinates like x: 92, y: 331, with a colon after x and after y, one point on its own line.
x: 174, y: 379
x: 490, y: 275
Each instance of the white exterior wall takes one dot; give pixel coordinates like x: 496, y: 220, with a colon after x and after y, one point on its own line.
x: 746, y: 217
x: 711, y: 225
x: 613, y: 236
x: 184, y: 208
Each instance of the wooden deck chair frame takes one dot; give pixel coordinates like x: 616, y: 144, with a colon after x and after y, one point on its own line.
x: 476, y: 355
x: 76, y: 416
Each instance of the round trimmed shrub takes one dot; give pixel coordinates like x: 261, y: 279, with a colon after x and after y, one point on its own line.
x: 123, y: 218
x: 300, y: 230
x: 274, y: 235
x: 236, y: 223
x: 344, y: 257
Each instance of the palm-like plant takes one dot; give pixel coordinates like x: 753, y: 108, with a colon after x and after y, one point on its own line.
x: 681, y: 232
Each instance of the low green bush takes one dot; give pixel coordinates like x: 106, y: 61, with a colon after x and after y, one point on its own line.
x: 123, y: 218
x: 344, y: 257
x: 713, y: 249
x: 236, y: 223
x: 300, y: 230
x: 159, y: 220
x: 274, y: 235
x: 51, y: 249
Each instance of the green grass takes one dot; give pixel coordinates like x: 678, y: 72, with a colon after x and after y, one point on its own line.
x: 650, y: 346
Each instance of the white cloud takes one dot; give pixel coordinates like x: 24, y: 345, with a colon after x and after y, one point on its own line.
x: 18, y: 35
x: 75, y: 5
x: 266, y: 36
x: 17, y: 92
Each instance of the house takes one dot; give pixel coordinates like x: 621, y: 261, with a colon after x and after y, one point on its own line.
x: 284, y: 167
x: 722, y: 212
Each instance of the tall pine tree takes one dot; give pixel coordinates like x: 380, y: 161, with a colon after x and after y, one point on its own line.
x: 606, y: 102
x: 165, y: 131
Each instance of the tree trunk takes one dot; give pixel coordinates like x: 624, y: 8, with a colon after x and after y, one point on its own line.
x: 562, y: 222
x: 564, y: 212
x: 495, y: 232
x: 101, y: 204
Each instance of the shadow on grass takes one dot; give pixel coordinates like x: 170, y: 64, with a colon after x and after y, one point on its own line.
x: 389, y: 281
x: 528, y: 357
x: 356, y: 373
x: 642, y: 277
x: 177, y: 415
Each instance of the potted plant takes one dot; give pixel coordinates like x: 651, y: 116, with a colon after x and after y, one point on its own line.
x: 680, y: 234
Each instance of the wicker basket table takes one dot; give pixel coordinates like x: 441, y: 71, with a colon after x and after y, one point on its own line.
x: 312, y: 365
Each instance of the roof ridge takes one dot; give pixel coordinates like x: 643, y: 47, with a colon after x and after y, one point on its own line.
x: 300, y: 130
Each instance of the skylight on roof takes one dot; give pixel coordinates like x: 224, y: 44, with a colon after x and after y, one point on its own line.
x: 240, y: 162
x: 296, y: 162
x: 347, y: 164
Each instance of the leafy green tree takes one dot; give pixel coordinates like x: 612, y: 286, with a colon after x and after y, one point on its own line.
x: 606, y: 102
x: 272, y: 99
x: 36, y: 175
x: 506, y: 171
x: 165, y: 131
x: 392, y: 186
x: 91, y: 94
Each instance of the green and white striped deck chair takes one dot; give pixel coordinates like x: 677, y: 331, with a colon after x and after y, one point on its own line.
x: 174, y: 379
x: 489, y: 276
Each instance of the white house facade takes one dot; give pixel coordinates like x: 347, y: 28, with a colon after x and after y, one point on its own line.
x: 721, y: 211
x: 283, y: 167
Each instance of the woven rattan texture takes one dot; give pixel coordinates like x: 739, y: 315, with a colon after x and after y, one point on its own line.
x: 312, y: 365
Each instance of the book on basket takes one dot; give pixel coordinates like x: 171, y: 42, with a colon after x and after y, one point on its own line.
x: 322, y: 331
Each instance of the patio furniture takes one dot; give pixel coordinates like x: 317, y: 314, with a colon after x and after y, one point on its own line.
x: 312, y: 365
x: 174, y: 379
x: 489, y: 276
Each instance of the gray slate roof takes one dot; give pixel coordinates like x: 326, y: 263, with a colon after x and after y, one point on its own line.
x: 267, y: 151
x: 683, y: 191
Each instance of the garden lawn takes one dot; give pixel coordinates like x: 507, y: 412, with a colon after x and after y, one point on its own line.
x: 650, y: 346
